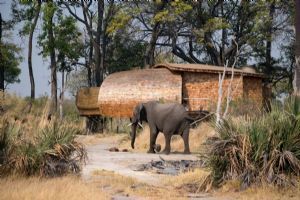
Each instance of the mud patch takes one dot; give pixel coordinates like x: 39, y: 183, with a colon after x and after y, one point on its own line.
x: 169, y: 167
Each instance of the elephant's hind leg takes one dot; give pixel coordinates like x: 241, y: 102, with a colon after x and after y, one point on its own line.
x: 185, y: 137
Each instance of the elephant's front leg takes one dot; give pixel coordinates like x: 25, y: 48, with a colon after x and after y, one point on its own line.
x: 153, y: 136
x: 185, y: 137
x: 168, y: 143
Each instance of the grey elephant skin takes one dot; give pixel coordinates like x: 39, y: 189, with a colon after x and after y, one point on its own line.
x: 168, y: 118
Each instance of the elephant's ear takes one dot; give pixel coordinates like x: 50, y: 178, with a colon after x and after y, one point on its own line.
x: 141, y: 111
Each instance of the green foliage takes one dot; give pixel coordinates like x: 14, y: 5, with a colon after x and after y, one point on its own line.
x: 125, y: 53
x: 10, y: 61
x: 262, y: 148
x: 119, y: 21
x: 24, y: 11
x: 172, y: 12
x: 212, y: 25
x: 67, y: 41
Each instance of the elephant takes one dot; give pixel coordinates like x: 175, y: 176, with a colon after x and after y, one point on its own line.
x: 168, y: 118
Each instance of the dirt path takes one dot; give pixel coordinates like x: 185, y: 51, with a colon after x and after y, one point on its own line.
x: 123, y: 163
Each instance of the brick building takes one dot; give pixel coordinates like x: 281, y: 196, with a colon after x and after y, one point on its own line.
x: 194, y: 85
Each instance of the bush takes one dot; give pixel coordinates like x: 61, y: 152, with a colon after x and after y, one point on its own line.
x: 4, y: 139
x: 52, y: 151
x: 261, y: 148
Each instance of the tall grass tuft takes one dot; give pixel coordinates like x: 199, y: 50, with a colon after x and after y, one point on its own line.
x: 31, y: 144
x: 4, y: 140
x: 262, y: 148
x: 53, y: 150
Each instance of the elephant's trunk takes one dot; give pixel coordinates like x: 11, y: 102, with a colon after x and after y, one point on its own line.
x: 133, y: 134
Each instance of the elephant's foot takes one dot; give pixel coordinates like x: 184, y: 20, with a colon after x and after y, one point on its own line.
x: 187, y: 152
x: 166, y: 151
x: 151, y: 151
x: 157, y: 148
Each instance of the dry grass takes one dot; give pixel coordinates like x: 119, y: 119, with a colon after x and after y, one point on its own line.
x: 269, y: 193
x: 197, y: 137
x: 57, y: 188
x: 126, y: 186
x: 262, y: 192
x: 34, y: 143
x: 107, y: 184
x: 101, y: 138
x: 191, y: 181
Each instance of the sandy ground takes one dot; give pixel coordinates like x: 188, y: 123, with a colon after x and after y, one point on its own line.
x: 124, y: 163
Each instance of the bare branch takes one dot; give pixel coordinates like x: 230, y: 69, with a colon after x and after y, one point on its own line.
x: 229, y: 89
x: 220, y: 93
x: 73, y: 13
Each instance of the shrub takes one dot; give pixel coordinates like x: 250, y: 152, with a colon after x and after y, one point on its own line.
x: 53, y: 151
x: 4, y: 139
x: 261, y: 148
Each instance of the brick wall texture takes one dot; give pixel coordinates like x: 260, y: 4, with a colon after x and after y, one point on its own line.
x: 122, y: 91
x: 200, y: 90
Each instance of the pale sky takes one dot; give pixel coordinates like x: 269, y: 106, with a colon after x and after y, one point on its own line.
x: 40, y: 67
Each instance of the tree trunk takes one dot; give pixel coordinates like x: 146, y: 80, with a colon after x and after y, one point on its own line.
x: 297, y: 52
x: 31, y: 77
x: 224, y: 38
x: 90, y: 61
x: 97, y: 45
x: 1, y: 71
x: 268, y: 69
x: 149, y: 54
x: 1, y: 64
x: 52, y: 67
x: 61, y: 96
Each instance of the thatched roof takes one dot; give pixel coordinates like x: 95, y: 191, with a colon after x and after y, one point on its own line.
x: 206, y: 69
x: 86, y: 101
x: 120, y: 92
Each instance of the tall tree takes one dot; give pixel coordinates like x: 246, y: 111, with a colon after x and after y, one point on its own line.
x: 9, y: 57
x: 60, y: 40
x: 97, y: 34
x: 47, y: 41
x: 31, y: 77
x: 49, y: 14
x: 69, y: 48
x: 10, y: 62
x: 156, y: 29
x: 297, y: 50
x: 1, y: 58
x: 203, y: 31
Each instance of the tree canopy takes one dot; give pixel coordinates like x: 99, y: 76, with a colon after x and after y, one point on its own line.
x: 102, y: 37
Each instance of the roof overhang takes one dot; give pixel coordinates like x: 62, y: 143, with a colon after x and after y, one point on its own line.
x: 202, y: 68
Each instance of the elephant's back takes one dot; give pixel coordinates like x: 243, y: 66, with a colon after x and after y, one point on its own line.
x: 174, y: 111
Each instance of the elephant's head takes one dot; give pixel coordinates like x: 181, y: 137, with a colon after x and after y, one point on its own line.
x: 139, y: 115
